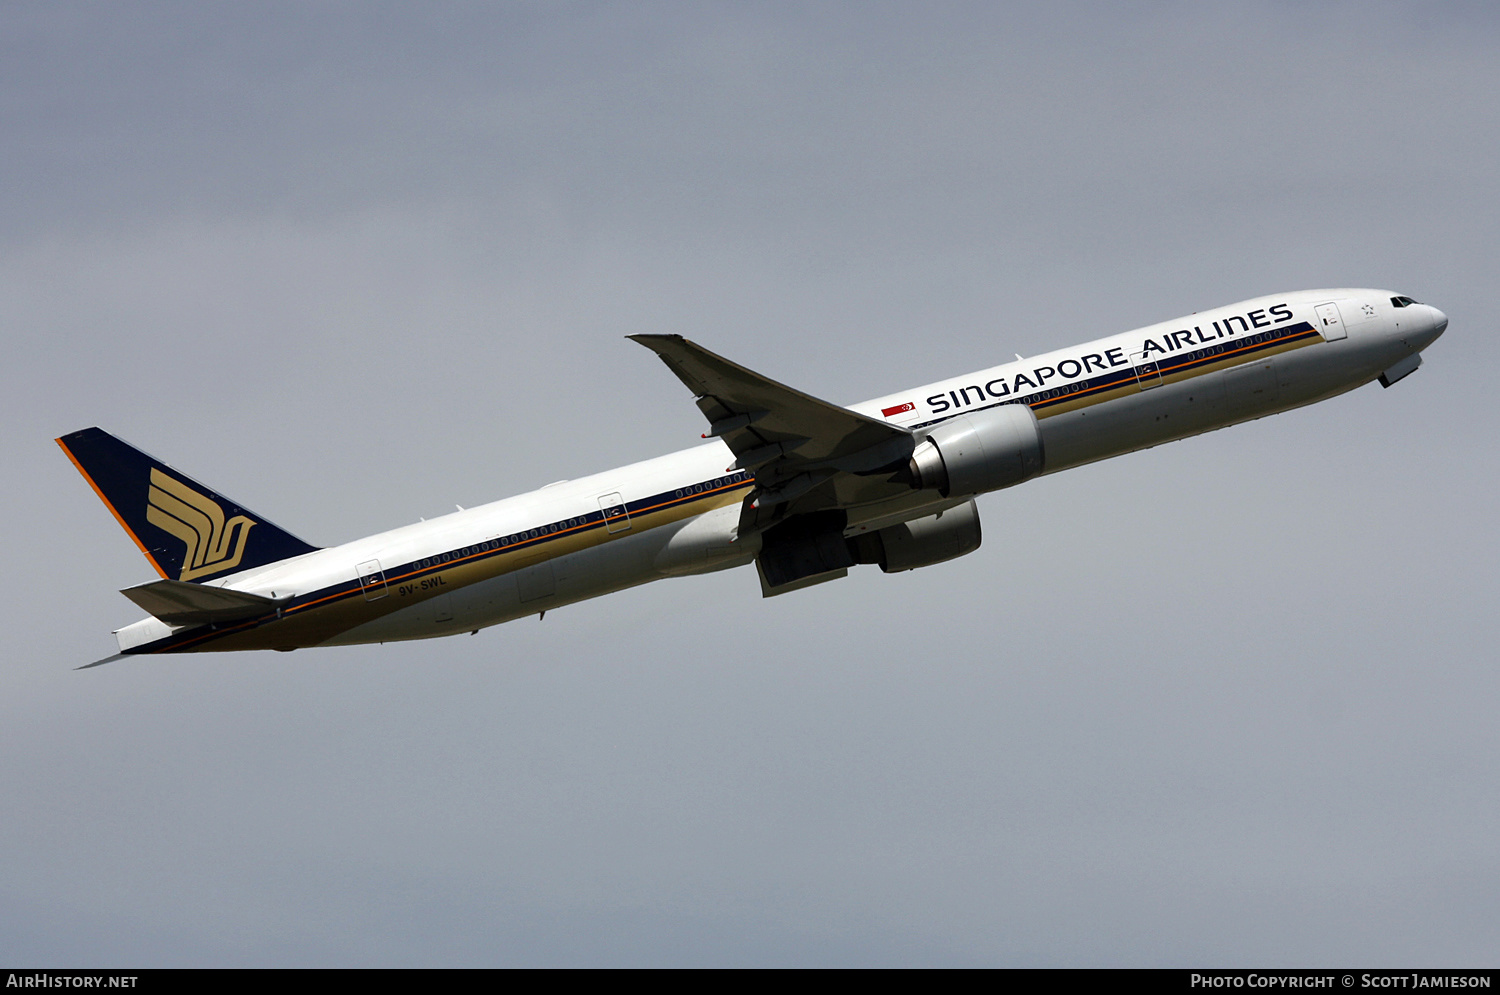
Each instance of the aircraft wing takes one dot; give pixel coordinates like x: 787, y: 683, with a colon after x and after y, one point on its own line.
x: 807, y: 454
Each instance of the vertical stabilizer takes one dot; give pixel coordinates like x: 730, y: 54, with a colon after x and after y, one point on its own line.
x: 188, y: 532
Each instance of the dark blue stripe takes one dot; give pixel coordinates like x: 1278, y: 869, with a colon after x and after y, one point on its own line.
x: 1245, y: 347
x: 477, y: 552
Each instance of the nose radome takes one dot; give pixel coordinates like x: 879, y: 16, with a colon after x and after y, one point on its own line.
x: 1423, y: 327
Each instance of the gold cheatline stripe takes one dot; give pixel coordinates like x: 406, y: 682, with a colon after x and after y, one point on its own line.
x: 1163, y: 371
x: 492, y: 552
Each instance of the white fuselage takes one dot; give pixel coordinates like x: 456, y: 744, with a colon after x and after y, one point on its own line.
x: 677, y: 514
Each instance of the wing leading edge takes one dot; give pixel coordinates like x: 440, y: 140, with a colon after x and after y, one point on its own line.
x: 808, y: 455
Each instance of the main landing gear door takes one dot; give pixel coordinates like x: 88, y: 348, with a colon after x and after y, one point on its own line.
x: 1329, y: 322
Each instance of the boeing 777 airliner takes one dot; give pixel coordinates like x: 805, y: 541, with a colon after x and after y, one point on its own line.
x: 803, y: 488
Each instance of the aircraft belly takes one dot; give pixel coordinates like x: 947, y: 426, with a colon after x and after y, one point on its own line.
x: 542, y: 586
x: 1211, y: 400
x: 1136, y: 421
x: 465, y: 609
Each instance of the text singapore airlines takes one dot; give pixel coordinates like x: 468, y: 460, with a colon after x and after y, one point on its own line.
x: 803, y: 488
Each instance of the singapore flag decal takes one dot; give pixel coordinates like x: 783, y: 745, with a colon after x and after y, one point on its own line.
x: 899, y: 409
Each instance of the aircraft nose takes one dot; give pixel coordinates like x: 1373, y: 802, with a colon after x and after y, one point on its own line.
x: 1423, y: 327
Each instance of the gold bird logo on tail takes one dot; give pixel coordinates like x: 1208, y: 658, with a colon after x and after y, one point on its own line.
x: 199, y: 522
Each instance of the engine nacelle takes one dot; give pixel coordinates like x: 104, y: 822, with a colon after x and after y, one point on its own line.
x: 923, y: 542
x: 978, y: 452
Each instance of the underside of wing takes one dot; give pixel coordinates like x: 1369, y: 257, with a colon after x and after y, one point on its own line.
x: 807, y: 455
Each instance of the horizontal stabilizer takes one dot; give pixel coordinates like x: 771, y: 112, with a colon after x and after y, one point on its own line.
x: 176, y: 602
x: 98, y: 663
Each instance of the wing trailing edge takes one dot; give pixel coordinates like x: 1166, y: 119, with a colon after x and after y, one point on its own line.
x: 807, y: 454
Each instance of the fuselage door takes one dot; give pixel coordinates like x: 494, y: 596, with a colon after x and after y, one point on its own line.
x: 372, y: 580
x: 1329, y: 322
x: 1147, y: 372
x: 616, y: 518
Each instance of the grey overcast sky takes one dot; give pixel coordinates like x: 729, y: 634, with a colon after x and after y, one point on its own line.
x: 1230, y: 701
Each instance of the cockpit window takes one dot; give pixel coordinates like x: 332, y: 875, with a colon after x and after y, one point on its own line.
x: 1402, y: 301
